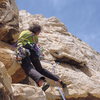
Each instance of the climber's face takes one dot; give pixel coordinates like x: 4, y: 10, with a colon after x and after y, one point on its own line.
x: 37, y: 33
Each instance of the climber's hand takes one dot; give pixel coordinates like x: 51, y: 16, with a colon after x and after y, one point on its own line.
x: 18, y: 58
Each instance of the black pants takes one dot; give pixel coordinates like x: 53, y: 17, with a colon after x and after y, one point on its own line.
x: 32, y: 67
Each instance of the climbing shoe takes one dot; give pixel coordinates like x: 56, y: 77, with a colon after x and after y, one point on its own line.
x: 63, y: 84
x: 45, y: 86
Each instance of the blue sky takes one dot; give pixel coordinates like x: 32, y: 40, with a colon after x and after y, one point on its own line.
x: 82, y: 17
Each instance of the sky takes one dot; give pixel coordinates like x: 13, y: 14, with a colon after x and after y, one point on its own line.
x: 81, y: 17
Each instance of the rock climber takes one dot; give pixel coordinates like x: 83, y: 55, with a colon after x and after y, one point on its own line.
x: 28, y: 52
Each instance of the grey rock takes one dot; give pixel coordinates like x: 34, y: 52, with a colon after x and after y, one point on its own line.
x: 8, y: 20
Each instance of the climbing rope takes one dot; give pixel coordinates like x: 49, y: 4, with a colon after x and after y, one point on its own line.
x: 58, y: 88
x: 60, y: 91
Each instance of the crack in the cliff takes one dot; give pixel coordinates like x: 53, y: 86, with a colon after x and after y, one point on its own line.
x: 78, y: 65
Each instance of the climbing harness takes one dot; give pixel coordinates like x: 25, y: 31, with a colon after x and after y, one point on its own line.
x: 21, y: 52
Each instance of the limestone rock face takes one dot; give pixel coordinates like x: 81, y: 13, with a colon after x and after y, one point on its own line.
x: 65, y: 55
x: 5, y: 83
x: 26, y: 92
x: 49, y: 25
x: 9, y: 91
x: 8, y: 20
x: 7, y: 56
x: 78, y: 64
